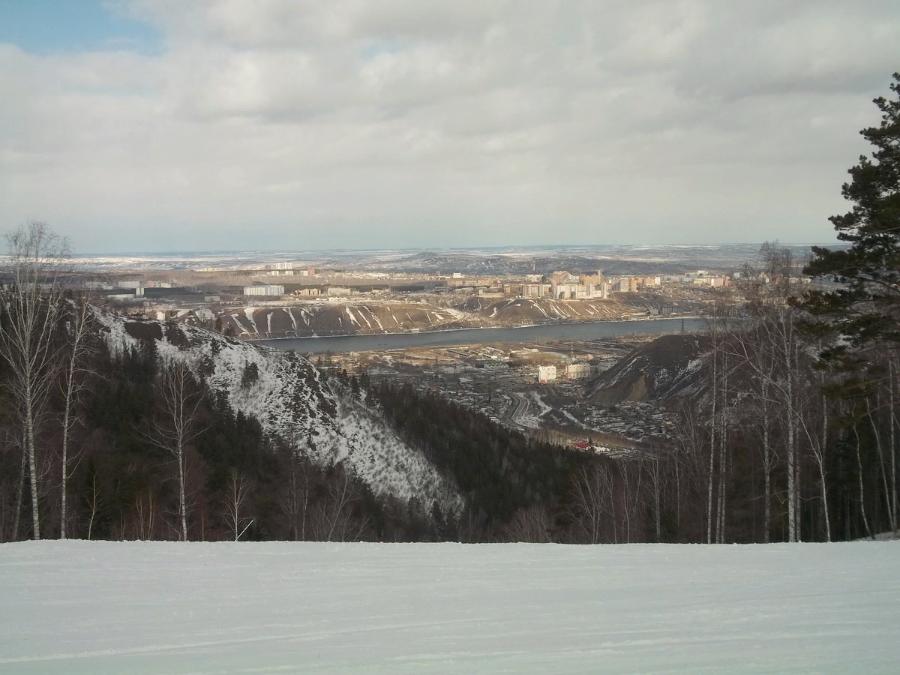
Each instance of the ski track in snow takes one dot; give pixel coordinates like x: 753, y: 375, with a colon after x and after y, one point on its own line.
x: 362, y: 315
x: 572, y: 418
x: 248, y: 312
x: 540, y: 309
x: 376, y: 319
x: 165, y: 607
x: 290, y: 313
x: 542, y: 407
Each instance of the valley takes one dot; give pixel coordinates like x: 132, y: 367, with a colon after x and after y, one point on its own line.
x: 558, y: 391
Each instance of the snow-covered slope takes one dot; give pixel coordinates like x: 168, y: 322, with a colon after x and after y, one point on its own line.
x: 165, y: 607
x: 327, y: 317
x: 293, y: 404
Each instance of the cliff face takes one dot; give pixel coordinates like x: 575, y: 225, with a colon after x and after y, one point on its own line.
x: 286, y: 394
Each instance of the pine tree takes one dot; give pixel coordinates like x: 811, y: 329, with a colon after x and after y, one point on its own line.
x: 864, y: 308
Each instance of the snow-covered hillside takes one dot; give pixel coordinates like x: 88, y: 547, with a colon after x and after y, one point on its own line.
x: 82, y: 607
x: 292, y: 403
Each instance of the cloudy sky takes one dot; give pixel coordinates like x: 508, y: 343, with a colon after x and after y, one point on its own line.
x: 275, y: 124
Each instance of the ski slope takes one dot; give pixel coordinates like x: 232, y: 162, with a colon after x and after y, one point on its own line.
x: 81, y: 607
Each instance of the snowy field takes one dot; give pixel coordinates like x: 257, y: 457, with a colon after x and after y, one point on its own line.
x: 79, y: 607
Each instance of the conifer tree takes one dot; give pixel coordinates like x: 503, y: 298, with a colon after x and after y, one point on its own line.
x: 864, y: 308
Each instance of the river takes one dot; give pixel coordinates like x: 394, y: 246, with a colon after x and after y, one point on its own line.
x: 467, y: 336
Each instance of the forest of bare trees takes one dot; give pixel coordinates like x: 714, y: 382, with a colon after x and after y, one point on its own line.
x: 778, y: 447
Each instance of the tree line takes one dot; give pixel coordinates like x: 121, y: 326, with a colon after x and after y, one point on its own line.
x: 794, y: 436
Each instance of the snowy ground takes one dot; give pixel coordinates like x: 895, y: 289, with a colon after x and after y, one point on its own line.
x: 80, y: 607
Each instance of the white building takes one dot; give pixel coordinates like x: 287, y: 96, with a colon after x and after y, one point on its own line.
x: 578, y: 371
x: 546, y: 374
x: 267, y: 290
x: 338, y: 291
x: 308, y: 292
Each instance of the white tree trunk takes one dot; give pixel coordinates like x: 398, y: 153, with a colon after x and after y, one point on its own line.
x: 712, y: 444
x: 862, y: 493
x: 33, y: 472
x: 64, y: 461
x: 791, y: 435
x: 767, y: 464
x: 182, y: 511
x: 892, y: 422
x: 822, y: 470
x: 881, y: 464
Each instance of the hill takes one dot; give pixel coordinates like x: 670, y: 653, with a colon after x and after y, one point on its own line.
x: 669, y: 367
x: 293, y: 405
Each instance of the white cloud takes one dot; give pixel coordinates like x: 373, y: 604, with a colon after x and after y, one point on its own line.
x: 280, y: 124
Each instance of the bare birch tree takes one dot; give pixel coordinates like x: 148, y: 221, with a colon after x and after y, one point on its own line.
x: 93, y: 502
x: 177, y: 425
x: 294, y: 499
x: 770, y: 348
x: 592, y: 497
x: 78, y: 323
x: 531, y: 524
x: 632, y: 472
x: 238, y: 491
x: 30, y: 309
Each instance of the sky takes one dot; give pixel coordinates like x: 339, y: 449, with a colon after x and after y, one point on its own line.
x: 163, y: 125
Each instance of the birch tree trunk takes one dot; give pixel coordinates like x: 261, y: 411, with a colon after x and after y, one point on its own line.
x: 723, y: 452
x: 32, y: 470
x: 892, y: 420
x: 176, y: 425
x: 182, y: 510
x: 862, y: 493
x: 881, y: 464
x: 822, y: 470
x: 78, y: 328
x: 767, y: 463
x: 712, y: 442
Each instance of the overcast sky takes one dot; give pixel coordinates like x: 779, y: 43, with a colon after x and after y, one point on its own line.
x: 275, y: 124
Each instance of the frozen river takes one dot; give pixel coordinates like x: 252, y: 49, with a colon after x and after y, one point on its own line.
x: 467, y: 336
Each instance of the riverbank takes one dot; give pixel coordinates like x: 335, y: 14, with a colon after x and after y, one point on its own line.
x: 589, y: 330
